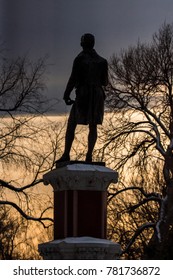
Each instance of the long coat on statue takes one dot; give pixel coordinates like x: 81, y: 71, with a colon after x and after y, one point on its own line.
x: 89, y: 75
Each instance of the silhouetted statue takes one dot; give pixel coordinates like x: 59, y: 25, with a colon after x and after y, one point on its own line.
x: 89, y: 75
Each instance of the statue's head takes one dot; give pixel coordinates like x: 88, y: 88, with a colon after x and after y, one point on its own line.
x: 87, y: 41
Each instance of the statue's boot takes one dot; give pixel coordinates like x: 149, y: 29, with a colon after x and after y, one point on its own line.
x: 88, y: 157
x: 63, y: 158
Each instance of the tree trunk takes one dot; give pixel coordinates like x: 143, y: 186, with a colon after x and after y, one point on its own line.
x: 161, y: 244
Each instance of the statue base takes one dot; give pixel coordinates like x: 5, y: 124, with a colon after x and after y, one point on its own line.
x: 80, y: 210
x: 65, y: 163
x: 80, y: 248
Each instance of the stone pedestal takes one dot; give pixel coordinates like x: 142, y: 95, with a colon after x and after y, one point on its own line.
x: 80, y: 248
x: 79, y: 213
x: 80, y: 204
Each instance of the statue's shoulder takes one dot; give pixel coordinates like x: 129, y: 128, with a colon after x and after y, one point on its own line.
x: 91, y: 56
x: 80, y: 55
x: 100, y: 58
x: 79, y: 58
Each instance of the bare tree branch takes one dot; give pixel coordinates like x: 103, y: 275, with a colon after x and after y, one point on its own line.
x: 140, y: 189
x: 21, y: 189
x: 15, y: 206
x: 137, y: 233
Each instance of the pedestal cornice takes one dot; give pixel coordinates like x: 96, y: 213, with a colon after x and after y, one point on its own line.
x: 81, y: 177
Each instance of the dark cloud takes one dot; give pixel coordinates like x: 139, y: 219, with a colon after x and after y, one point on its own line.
x: 54, y: 27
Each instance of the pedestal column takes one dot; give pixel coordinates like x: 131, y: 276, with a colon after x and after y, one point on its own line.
x: 80, y: 204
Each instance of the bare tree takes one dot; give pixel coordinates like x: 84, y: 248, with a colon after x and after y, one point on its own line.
x: 140, y: 131
x: 21, y: 100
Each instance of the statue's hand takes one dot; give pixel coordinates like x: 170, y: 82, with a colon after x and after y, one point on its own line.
x: 68, y: 101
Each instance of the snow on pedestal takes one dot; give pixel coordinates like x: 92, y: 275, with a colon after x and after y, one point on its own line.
x: 80, y: 206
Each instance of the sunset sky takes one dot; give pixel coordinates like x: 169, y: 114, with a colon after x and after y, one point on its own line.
x: 54, y: 27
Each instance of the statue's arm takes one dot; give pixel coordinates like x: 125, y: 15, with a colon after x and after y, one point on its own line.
x: 105, y: 74
x: 71, y: 82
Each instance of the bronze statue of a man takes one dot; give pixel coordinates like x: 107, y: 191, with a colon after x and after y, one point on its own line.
x: 89, y: 76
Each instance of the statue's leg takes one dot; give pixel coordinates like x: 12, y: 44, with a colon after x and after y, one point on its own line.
x: 92, y: 138
x: 69, y: 137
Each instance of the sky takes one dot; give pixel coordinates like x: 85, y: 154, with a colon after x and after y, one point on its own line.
x: 37, y: 28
